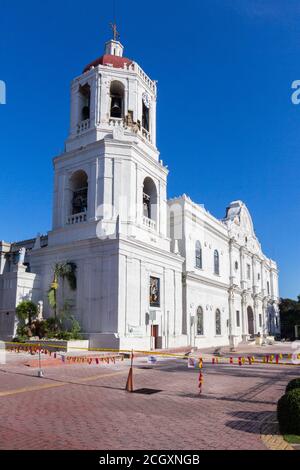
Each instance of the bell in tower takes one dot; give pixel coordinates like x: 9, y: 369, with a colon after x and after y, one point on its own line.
x: 116, y: 107
x: 117, y: 99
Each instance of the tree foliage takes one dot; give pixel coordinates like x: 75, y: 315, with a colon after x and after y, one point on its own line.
x: 26, y: 310
x: 288, y: 412
x: 289, y: 317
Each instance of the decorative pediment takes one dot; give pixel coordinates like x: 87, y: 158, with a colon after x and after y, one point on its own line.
x: 240, y: 226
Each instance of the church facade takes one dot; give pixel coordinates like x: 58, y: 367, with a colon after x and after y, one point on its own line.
x: 151, y: 272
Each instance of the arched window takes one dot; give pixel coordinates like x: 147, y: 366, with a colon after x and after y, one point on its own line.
x: 117, y: 99
x: 216, y: 262
x: 84, y: 100
x: 149, y: 199
x: 146, y: 117
x: 79, y: 188
x: 218, y: 322
x: 200, y: 326
x: 198, y: 255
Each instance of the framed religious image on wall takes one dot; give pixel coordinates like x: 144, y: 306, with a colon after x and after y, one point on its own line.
x: 154, y: 291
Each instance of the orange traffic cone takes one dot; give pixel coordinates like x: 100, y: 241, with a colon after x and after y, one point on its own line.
x: 129, y: 383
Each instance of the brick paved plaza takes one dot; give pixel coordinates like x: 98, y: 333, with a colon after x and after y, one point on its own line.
x: 86, y: 407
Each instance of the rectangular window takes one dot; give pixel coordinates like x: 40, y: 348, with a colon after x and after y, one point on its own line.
x: 248, y: 271
x: 154, y: 292
x: 238, y: 318
x: 258, y: 277
x: 260, y: 319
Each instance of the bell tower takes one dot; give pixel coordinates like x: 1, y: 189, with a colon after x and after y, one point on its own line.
x: 110, y: 210
x: 113, y: 91
x: 110, y: 178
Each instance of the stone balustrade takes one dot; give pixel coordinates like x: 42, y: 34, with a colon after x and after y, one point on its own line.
x: 77, y: 218
x: 149, y: 223
x: 117, y: 122
x: 83, y: 126
x: 136, y: 68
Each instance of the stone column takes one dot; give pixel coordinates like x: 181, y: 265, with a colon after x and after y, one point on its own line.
x: 231, y: 241
x: 265, y: 316
x: 262, y: 277
x: 153, y: 122
x: 244, y: 319
x: 117, y: 187
x: 232, y: 326
x: 242, y: 263
x: 65, y: 190
x: 139, y: 196
x: 92, y: 191
x: 74, y: 119
x: 255, y: 313
x: 98, y: 99
x: 254, y: 284
x: 232, y: 322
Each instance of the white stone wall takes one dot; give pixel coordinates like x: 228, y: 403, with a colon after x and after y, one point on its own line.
x: 209, y: 298
x: 14, y: 288
x: 242, y: 279
x: 137, y: 264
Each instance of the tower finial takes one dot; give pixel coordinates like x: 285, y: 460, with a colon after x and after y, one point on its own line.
x: 115, y: 31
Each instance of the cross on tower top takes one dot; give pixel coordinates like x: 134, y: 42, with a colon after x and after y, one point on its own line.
x: 115, y: 31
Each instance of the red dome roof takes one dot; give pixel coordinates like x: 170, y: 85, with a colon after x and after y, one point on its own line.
x: 113, y: 60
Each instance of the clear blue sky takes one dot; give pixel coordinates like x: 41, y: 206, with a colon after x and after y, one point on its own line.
x: 226, y: 126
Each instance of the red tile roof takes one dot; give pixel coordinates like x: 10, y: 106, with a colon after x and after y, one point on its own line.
x: 113, y: 60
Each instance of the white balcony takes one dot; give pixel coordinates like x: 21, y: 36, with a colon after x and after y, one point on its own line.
x: 149, y: 223
x: 116, y: 122
x: 77, y: 218
x: 83, y: 126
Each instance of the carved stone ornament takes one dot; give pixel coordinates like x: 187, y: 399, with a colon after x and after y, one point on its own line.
x: 231, y: 294
x: 118, y: 133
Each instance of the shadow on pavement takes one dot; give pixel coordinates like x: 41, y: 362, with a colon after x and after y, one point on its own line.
x: 251, y: 422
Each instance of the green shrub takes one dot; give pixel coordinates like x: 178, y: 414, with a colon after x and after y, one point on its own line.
x: 295, y: 383
x: 52, y: 326
x: 20, y: 339
x: 75, y: 328
x: 24, y: 331
x: 40, y: 328
x: 26, y: 311
x: 288, y: 412
x: 64, y: 327
x: 64, y: 335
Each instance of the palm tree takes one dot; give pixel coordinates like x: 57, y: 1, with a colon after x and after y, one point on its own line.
x: 26, y: 311
x: 63, y: 270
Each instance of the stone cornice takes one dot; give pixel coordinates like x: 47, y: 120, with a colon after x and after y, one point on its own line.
x: 189, y: 276
x: 107, y: 142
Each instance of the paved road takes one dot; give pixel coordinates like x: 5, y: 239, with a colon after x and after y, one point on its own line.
x: 86, y: 407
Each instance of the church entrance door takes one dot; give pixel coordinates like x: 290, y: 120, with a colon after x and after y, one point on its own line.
x: 250, y: 321
x: 154, y: 334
